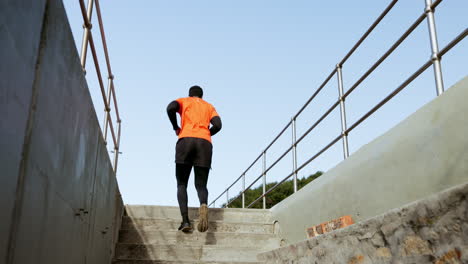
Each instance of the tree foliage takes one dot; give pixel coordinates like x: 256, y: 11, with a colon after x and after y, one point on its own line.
x: 280, y: 193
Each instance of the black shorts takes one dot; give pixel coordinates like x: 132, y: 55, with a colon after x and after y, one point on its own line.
x: 194, y: 151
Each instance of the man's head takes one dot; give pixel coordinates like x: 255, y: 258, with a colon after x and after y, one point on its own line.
x: 196, y: 91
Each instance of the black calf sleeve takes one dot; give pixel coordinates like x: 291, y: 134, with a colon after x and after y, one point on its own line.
x: 182, y: 175
x: 201, y: 179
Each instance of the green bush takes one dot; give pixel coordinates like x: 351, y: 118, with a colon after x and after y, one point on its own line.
x: 280, y: 193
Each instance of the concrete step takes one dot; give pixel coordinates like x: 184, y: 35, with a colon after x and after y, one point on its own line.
x: 179, y: 262
x: 198, y: 239
x: 154, y: 224
x: 186, y: 253
x: 215, y: 214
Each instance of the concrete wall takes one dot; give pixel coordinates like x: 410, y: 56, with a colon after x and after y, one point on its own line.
x: 424, y: 154
x: 432, y: 230
x: 59, y: 197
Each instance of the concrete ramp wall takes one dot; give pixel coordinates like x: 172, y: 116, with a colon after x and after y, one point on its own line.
x: 59, y: 197
x: 423, y: 155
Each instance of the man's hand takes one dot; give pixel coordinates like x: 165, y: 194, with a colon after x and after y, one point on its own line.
x: 177, y: 131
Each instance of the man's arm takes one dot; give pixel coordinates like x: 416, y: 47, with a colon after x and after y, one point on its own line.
x: 172, y: 109
x: 215, y: 125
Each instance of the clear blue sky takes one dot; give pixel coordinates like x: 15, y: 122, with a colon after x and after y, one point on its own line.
x: 258, y: 62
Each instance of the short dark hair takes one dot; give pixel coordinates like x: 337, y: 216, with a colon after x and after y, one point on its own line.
x: 196, y: 91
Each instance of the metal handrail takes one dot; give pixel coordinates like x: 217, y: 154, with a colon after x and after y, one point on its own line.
x: 369, y: 30
x: 434, y: 60
x: 375, y: 108
x: 110, y: 95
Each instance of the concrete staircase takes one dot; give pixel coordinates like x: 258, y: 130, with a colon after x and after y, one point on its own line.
x: 149, y: 236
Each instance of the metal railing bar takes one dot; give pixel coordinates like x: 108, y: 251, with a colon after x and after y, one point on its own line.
x: 111, y: 125
x: 315, y: 93
x: 279, y: 159
x: 435, y: 4
x: 88, y: 40
x: 271, y: 166
x: 214, y: 201
x: 98, y: 69
x: 418, y: 21
x: 225, y: 191
x: 106, y: 53
x: 264, y: 179
x: 282, y: 131
x: 107, y: 110
x: 233, y: 199
x: 246, y: 189
x: 103, y: 37
x: 285, y: 153
x: 257, y: 200
x: 454, y: 42
x: 391, y: 95
x: 318, y: 121
x: 85, y: 15
x: 289, y: 149
x: 272, y: 189
x: 366, y: 34
x: 243, y: 191
x: 386, y: 54
x: 234, y: 183
x: 320, y: 152
x: 258, y: 158
x: 87, y: 30
x: 116, y: 149
x: 278, y: 136
x: 253, y: 163
x: 305, y: 134
x: 301, y: 167
x: 255, y: 181
x: 424, y: 67
x: 117, y: 114
x: 101, y: 84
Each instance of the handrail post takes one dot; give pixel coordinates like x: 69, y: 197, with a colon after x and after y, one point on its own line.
x: 84, y: 46
x: 264, y: 179
x: 227, y: 198
x: 243, y: 190
x: 294, y: 152
x: 116, y: 149
x: 435, y: 47
x: 107, y: 108
x: 343, y: 111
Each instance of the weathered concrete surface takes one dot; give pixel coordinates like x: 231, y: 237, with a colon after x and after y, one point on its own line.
x: 186, y: 253
x: 59, y: 197
x: 180, y: 262
x: 173, y: 236
x: 19, y: 44
x: 424, y: 154
x: 432, y: 230
x: 220, y: 214
x: 149, y: 235
x: 152, y: 224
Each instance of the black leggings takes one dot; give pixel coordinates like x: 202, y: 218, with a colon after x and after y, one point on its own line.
x: 201, y: 179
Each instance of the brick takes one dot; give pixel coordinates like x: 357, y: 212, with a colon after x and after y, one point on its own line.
x: 329, y: 226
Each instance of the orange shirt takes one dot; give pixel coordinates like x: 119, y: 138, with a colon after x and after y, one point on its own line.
x: 195, y: 116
